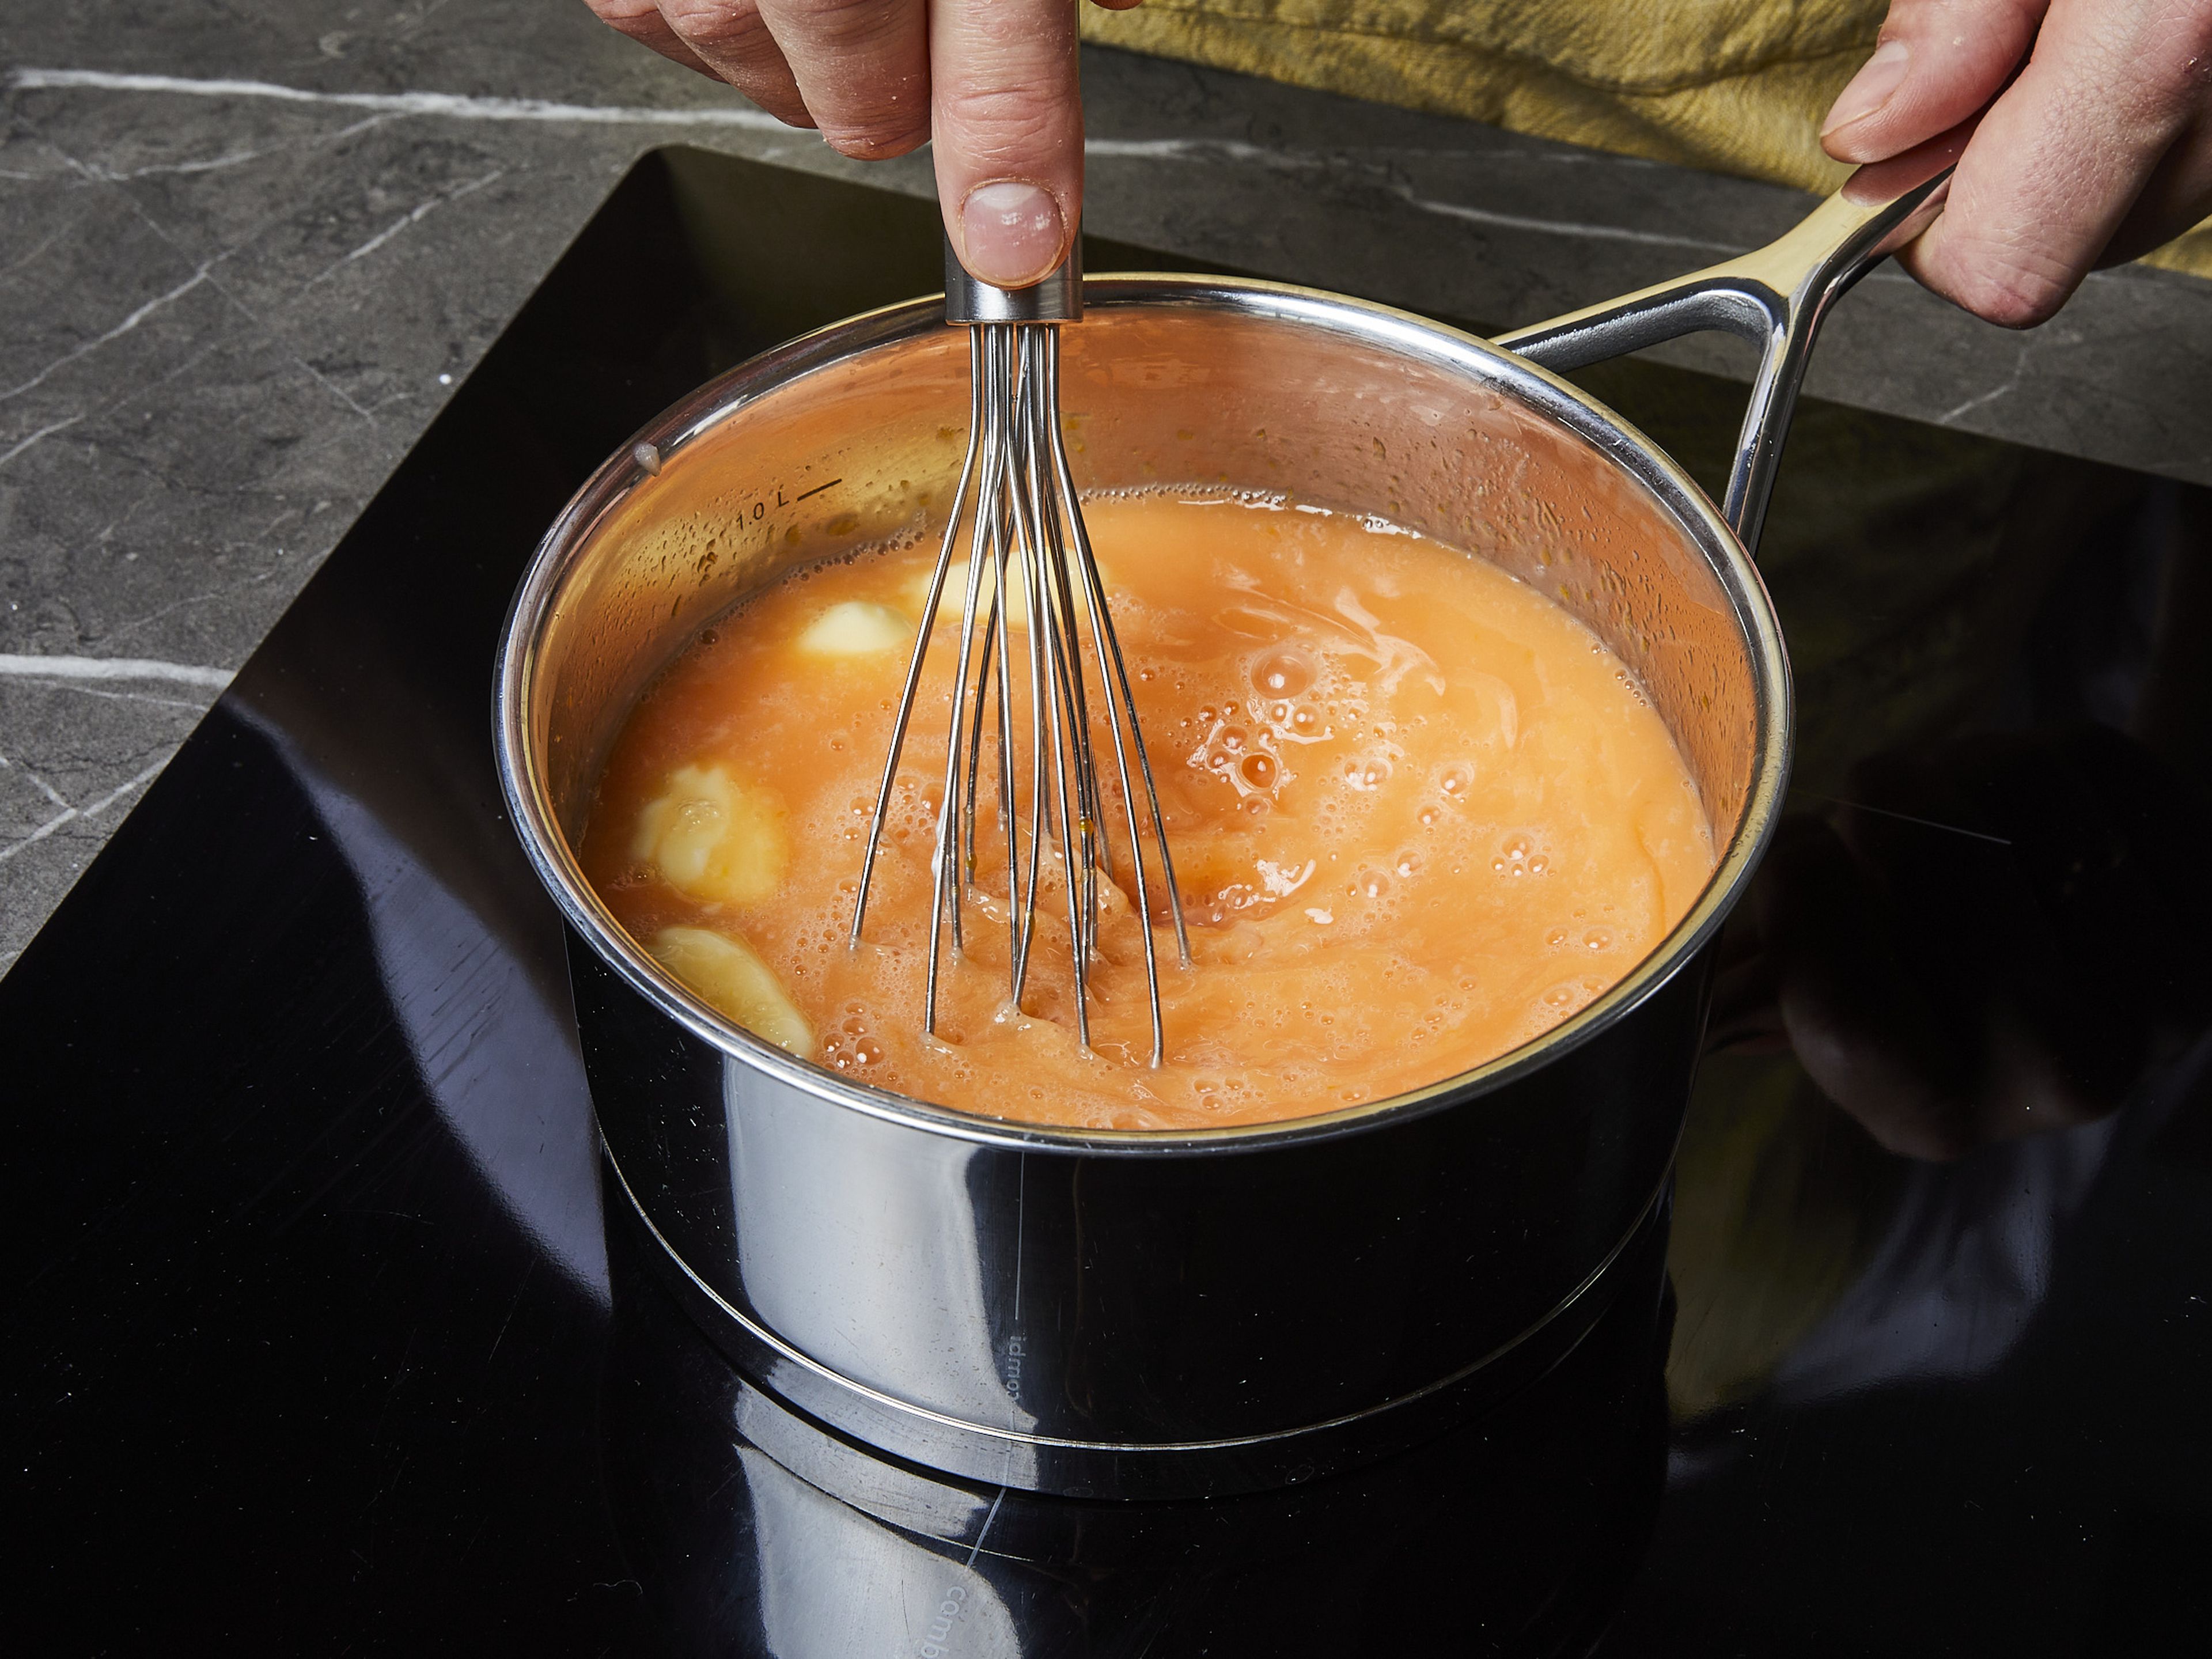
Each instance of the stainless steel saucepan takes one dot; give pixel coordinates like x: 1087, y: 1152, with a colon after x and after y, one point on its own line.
x: 1149, y: 1313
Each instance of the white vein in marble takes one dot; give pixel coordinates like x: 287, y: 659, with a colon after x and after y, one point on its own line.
x: 111, y: 668
x: 452, y: 106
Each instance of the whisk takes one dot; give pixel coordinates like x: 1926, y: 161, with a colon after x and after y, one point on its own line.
x: 1025, y: 527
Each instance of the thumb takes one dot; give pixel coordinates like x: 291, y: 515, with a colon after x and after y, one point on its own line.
x: 1938, y: 62
x: 1006, y: 118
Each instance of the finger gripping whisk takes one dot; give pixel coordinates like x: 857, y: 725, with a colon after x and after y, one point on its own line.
x: 1031, y: 590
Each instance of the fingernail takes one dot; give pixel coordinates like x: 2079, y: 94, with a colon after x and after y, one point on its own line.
x: 1014, y: 232
x: 1871, y: 87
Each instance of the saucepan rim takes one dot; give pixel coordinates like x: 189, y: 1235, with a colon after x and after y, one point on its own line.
x: 523, y: 781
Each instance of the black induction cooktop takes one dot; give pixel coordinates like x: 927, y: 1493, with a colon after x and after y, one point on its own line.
x: 319, y: 1337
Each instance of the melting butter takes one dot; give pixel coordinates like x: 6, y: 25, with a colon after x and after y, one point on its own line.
x: 856, y: 627
x: 730, y: 975
x: 713, y: 837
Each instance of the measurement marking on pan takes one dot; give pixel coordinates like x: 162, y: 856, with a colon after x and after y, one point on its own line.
x: 818, y: 488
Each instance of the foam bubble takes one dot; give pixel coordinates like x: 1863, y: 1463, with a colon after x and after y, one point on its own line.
x: 1283, y: 672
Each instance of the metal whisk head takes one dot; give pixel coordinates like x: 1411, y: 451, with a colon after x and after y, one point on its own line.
x: 1026, y: 534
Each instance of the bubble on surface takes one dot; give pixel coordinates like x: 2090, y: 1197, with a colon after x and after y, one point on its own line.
x: 1284, y: 673
x: 1228, y: 805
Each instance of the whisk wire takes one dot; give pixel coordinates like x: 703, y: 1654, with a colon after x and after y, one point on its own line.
x: 1065, y: 721
x: 1010, y: 563
x: 884, y: 786
x: 1017, y: 496
x: 1121, y: 702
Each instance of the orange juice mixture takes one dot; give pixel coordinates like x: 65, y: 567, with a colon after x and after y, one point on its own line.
x: 1420, y: 815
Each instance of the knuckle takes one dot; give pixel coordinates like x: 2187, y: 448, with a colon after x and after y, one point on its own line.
x: 999, y: 123
x: 2014, y: 243
x: 2013, y: 297
x: 2153, y: 68
x: 870, y: 148
x: 641, y: 20
x: 877, y: 138
x: 2180, y: 67
x: 731, y: 27
x: 2191, y: 27
x: 843, y: 24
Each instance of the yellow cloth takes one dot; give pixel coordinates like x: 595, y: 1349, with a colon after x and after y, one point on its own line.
x: 1733, y: 86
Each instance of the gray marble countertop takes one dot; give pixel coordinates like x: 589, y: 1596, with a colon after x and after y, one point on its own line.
x: 246, y: 249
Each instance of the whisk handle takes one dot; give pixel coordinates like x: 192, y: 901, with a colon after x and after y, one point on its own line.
x: 1057, y: 298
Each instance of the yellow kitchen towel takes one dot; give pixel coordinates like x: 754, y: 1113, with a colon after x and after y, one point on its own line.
x: 1733, y: 86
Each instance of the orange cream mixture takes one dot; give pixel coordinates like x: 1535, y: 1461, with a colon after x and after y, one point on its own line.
x: 1420, y: 815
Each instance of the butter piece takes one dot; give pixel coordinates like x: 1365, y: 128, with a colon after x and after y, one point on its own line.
x: 729, y: 975
x: 856, y: 629
x: 713, y: 837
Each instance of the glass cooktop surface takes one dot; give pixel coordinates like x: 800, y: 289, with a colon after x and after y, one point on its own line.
x: 322, y: 1336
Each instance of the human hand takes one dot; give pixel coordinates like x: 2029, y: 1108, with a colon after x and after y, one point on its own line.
x: 2099, y: 150
x: 992, y: 81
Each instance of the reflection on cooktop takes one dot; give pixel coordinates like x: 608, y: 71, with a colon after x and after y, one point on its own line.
x: 322, y: 1338
x: 751, y: 1531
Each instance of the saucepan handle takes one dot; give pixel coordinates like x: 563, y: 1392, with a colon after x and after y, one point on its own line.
x: 1776, y: 297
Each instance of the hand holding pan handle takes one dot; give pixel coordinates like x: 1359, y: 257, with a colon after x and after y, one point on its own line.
x: 1776, y: 297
